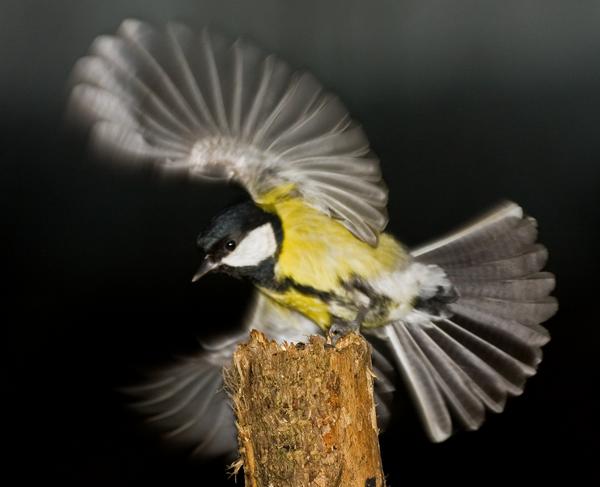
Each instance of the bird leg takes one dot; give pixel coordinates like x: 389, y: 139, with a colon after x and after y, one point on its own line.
x: 340, y: 328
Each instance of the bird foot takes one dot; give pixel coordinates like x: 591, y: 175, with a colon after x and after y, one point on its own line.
x: 341, y: 328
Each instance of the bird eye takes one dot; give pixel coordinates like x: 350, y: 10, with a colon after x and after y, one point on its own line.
x: 230, y: 245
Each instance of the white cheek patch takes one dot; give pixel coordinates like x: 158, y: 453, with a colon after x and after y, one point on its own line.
x: 258, y: 245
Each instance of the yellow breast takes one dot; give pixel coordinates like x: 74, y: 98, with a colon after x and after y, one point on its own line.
x: 318, y: 251
x: 310, y: 306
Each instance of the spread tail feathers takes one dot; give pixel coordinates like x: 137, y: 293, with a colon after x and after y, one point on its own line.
x: 456, y: 367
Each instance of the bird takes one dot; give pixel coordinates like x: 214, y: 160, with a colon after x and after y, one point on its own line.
x: 458, y: 319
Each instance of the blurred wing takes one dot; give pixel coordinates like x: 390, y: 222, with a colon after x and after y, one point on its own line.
x: 186, y: 401
x: 223, y: 110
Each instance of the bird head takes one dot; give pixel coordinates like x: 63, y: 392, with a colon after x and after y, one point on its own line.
x: 242, y: 241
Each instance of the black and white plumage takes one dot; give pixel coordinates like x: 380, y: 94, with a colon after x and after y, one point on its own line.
x: 469, y: 334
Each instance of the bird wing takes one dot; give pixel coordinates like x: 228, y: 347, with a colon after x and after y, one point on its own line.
x: 186, y: 401
x: 458, y: 367
x: 227, y: 111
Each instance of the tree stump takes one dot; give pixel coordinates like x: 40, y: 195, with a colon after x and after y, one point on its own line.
x: 305, y: 413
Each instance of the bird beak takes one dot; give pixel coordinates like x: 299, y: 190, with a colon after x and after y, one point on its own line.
x: 206, y: 266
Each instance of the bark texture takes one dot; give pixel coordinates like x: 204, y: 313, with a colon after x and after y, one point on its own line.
x: 305, y: 413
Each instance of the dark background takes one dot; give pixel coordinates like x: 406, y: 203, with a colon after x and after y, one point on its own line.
x: 466, y: 102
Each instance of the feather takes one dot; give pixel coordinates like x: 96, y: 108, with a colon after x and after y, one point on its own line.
x: 181, y: 39
x: 526, y: 312
x: 458, y: 365
x: 529, y: 288
x: 224, y: 110
x: 420, y: 382
x: 478, y: 233
x: 519, y: 266
x: 187, y: 406
x: 366, y: 170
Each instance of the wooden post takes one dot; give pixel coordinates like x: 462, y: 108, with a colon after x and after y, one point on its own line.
x: 305, y: 413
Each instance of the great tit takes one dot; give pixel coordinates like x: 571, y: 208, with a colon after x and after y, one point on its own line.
x: 458, y: 318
